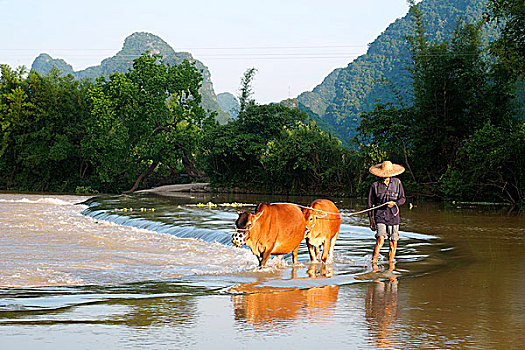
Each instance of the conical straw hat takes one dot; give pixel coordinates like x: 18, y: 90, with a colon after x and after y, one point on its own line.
x: 386, y: 169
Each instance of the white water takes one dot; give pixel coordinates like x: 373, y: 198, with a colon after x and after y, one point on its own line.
x: 46, y: 241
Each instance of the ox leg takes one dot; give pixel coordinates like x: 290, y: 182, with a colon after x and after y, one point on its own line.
x: 264, y: 258
x: 326, y: 250
x: 313, y: 251
x: 295, y: 260
x: 332, y: 246
x: 279, y: 260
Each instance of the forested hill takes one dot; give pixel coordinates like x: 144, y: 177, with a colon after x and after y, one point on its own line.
x: 229, y: 103
x: 382, y: 71
x: 134, y: 45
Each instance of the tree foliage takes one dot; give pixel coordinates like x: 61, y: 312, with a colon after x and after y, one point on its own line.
x: 305, y: 159
x: 460, y: 96
x: 274, y: 148
x: 233, y: 152
x: 246, y: 90
x: 41, y: 120
x: 59, y: 133
x: 490, y: 165
x: 510, y: 46
x: 347, y: 92
x: 454, y: 121
x: 144, y: 118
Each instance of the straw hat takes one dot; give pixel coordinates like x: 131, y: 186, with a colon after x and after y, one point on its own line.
x: 386, y: 169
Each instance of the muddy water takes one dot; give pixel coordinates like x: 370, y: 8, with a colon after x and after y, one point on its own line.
x: 159, y: 273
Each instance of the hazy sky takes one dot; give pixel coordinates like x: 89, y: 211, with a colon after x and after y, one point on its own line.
x: 293, y: 44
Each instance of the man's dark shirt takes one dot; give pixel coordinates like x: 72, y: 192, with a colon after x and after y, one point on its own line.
x: 379, y: 194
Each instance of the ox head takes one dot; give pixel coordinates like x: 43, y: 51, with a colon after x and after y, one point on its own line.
x: 311, y: 217
x: 243, y: 225
x: 242, y: 228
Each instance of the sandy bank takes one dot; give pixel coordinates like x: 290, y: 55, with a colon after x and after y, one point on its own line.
x: 177, y: 190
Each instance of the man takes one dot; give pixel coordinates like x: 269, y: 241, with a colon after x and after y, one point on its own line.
x: 385, y: 220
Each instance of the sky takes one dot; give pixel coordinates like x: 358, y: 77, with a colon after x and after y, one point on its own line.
x: 293, y: 44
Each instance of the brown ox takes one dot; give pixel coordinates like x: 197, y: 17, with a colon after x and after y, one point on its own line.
x: 274, y: 229
x: 322, y: 228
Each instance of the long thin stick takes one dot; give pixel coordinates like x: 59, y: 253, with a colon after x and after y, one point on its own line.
x: 327, y: 212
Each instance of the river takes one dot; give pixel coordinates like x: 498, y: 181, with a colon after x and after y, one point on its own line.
x: 151, y: 272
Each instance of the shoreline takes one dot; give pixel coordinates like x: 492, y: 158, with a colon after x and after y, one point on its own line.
x: 178, y: 190
x: 202, y: 188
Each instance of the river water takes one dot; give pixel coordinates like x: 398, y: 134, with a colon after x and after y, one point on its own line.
x: 149, y: 272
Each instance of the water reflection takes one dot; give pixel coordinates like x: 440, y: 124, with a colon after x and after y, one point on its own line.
x: 381, y: 310
x: 266, y: 307
x: 156, y: 312
x: 319, y: 271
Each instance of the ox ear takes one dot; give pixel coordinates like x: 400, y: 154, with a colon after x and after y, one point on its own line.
x: 306, y: 212
x: 254, y: 217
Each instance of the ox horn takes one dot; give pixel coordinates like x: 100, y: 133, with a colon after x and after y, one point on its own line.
x: 259, y: 215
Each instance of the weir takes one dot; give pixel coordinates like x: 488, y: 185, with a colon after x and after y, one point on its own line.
x: 94, y: 251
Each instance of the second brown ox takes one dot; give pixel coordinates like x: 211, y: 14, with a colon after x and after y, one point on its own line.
x: 323, y: 221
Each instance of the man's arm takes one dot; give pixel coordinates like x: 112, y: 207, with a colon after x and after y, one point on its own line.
x: 401, y: 196
x: 370, y: 205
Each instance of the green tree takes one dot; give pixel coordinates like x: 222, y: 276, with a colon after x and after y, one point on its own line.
x: 42, y: 118
x: 246, y: 90
x: 510, y: 46
x: 13, y: 110
x: 306, y: 159
x: 391, y: 129
x: 454, y: 94
x: 234, y: 152
x: 144, y: 118
x: 456, y: 90
x: 490, y: 166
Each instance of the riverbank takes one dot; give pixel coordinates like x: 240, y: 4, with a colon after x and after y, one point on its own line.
x: 178, y: 189
x: 183, y: 190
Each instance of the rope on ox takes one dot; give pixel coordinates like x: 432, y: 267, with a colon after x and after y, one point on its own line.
x: 247, y: 229
x: 349, y: 214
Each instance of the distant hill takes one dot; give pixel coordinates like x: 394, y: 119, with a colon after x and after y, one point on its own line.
x: 134, y: 46
x: 348, y: 91
x: 44, y: 63
x: 228, y: 103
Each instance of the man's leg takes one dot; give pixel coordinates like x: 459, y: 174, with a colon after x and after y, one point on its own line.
x: 392, y: 252
x: 379, y: 243
x: 380, y: 237
x: 393, y: 237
